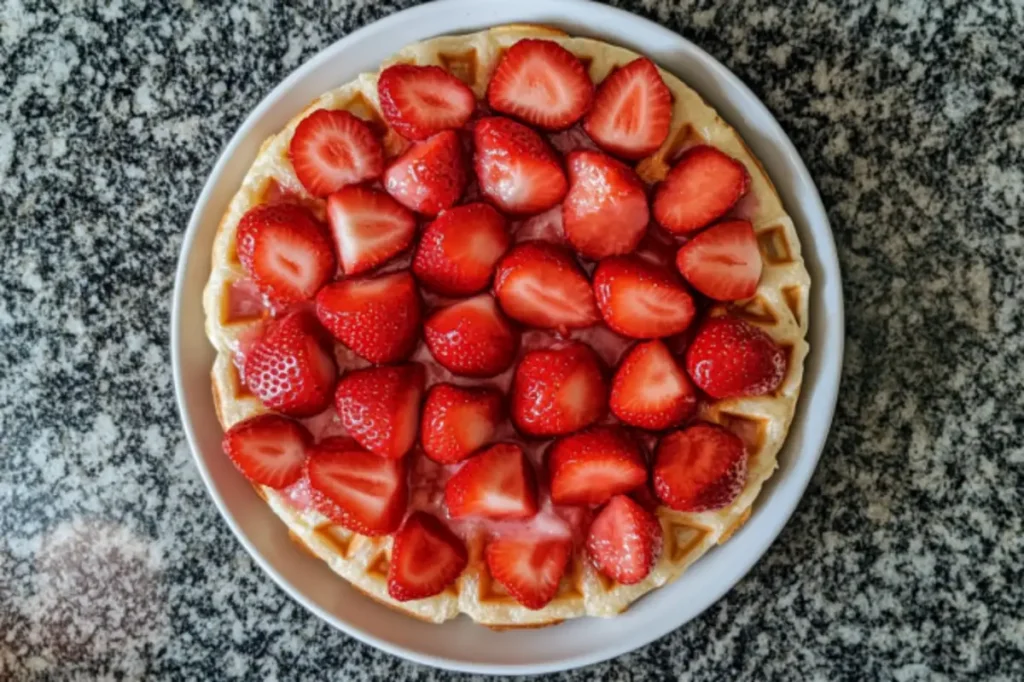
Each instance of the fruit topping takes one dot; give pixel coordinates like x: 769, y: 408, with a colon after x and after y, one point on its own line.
x: 516, y: 169
x: 369, y: 228
x: 419, y: 101
x: 496, y: 484
x: 632, y: 111
x: 541, y: 285
x: 700, y: 468
x: 640, y: 299
x: 472, y: 337
x: 558, y: 390
x: 426, y: 557
x: 269, y: 449
x: 457, y: 421
x: 650, y: 390
x: 703, y: 185
x: 730, y: 358
x: 722, y: 262
x: 593, y: 466
x: 605, y: 212
x: 530, y: 569
x: 458, y: 252
x: 624, y: 541
x: 430, y: 176
x: 331, y: 149
x: 380, y: 407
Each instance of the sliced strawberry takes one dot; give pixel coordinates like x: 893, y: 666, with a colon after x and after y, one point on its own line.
x: 458, y: 252
x: 516, y: 168
x: 331, y: 149
x: 641, y: 300
x: 472, y: 337
x: 730, y: 358
x: 380, y: 407
x: 722, y: 262
x: 419, y: 101
x: 496, y: 484
x: 592, y: 466
x: 430, y: 176
x: 426, y: 557
x: 289, y: 369
x: 624, y: 541
x: 558, y: 391
x: 369, y: 228
x: 650, y: 389
x: 700, y: 468
x: 457, y: 421
x: 269, y: 449
x: 605, y: 212
x: 531, y: 569
x: 541, y: 285
x: 377, y: 317
x: 703, y: 185
x: 632, y: 111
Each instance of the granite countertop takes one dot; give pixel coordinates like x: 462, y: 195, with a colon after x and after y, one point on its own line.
x: 905, y: 559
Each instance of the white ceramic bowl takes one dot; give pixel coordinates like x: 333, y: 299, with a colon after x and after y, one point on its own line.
x: 461, y: 645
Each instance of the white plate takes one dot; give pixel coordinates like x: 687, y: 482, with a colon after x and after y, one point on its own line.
x: 462, y: 645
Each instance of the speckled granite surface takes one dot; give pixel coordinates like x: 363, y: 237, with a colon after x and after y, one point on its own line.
x: 904, y: 560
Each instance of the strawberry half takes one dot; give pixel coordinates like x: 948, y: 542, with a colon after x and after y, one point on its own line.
x: 380, y: 407
x: 331, y: 149
x: 516, y: 168
x: 624, y: 541
x: 650, y: 390
x: 605, y: 212
x: 472, y: 337
x: 458, y: 252
x: 419, y: 101
x: 426, y: 557
x: 541, y: 285
x: 457, y: 421
x: 369, y: 228
x: 593, y: 466
x: 430, y: 176
x: 730, y: 358
x: 722, y: 262
x: 530, y: 569
x: 496, y: 484
x: 701, y: 188
x: 558, y: 391
x: 632, y: 111
x: 269, y: 449
x: 700, y: 468
x: 641, y: 300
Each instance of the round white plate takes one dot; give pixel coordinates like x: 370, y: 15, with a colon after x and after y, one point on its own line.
x: 460, y: 644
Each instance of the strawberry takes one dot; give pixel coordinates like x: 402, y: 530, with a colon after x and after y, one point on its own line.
x: 369, y: 228
x: 331, y: 149
x: 632, y: 111
x: 285, y: 250
x: 458, y: 252
x: 557, y: 391
x: 457, y: 421
x: 542, y: 83
x: 380, y: 407
x: 529, y: 568
x: 641, y: 300
x: 289, y: 369
x: 592, y: 466
x: 624, y: 541
x: 541, y: 285
x: 605, y: 211
x: 472, y: 338
x: 377, y: 317
x: 700, y: 468
x: 426, y: 557
x: 269, y: 449
x: 650, y: 390
x: 419, y: 101
x: 703, y: 185
x: 496, y: 484
x: 430, y: 176
x: 516, y: 169
x: 722, y: 262
x: 730, y: 358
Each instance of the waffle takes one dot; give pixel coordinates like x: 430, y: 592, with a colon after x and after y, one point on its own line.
x: 779, y: 307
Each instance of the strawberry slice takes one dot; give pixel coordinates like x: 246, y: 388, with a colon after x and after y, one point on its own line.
x: 496, y: 484
x: 472, y: 337
x: 542, y: 83
x: 269, y: 449
x: 517, y: 170
x: 458, y: 252
x: 285, y: 250
x: 426, y: 557
x: 419, y: 101
x: 632, y: 111
x: 723, y: 262
x: 458, y: 421
x: 558, y: 391
x: 541, y: 285
x: 531, y: 569
x: 430, y: 176
x: 624, y: 541
x: 331, y: 149
x: 593, y: 466
x: 650, y: 390
x: 730, y: 358
x: 605, y: 212
x: 703, y: 185
x: 700, y: 468
x: 380, y: 407
x: 640, y: 299
x: 369, y: 228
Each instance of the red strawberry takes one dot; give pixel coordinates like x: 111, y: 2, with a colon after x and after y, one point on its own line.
x: 332, y: 149
x: 542, y: 83
x: 641, y: 300
x: 380, y: 407
x: 426, y: 557
x: 632, y: 111
x: 593, y: 466
x: 472, y: 338
x: 418, y: 101
x: 285, y: 250
x: 605, y: 212
x: 529, y: 568
x: 458, y: 252
x: 650, y: 389
x: 723, y: 262
x: 369, y: 228
x: 541, y: 285
x: 699, y: 468
x: 624, y: 541
x: 496, y: 484
x: 458, y: 421
x: 431, y: 176
x: 558, y: 391
x: 703, y: 185
x: 377, y: 317
x: 289, y: 369
x: 269, y: 449
x: 516, y: 168
x: 730, y: 358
